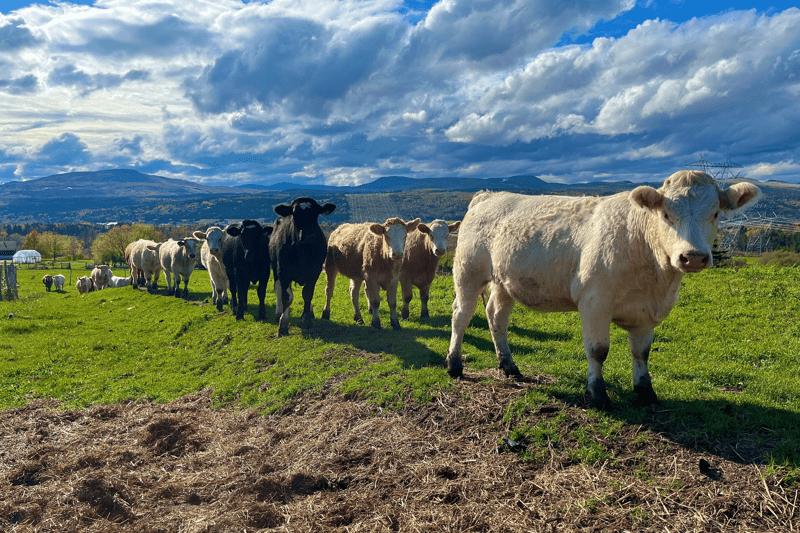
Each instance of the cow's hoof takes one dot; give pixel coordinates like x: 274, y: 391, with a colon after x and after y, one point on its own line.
x: 455, y: 367
x: 645, y: 395
x: 359, y: 320
x: 511, y: 370
x: 424, y: 314
x: 219, y: 308
x: 376, y: 324
x: 306, y: 321
x: 326, y: 315
x: 396, y: 325
x: 597, y: 397
x: 404, y: 314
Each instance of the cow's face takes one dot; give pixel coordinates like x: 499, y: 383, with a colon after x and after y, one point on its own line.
x: 213, y: 238
x: 190, y: 245
x: 305, y: 211
x: 688, y: 207
x: 394, y: 232
x: 437, y: 232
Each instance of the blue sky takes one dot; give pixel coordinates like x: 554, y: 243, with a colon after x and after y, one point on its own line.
x: 345, y: 91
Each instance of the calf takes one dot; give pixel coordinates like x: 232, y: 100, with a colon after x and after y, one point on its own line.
x: 616, y: 259
x: 177, y: 259
x: 246, y: 259
x: 297, y: 250
x: 144, y: 264
x: 211, y: 257
x: 372, y: 253
x: 48, y: 282
x: 101, y: 275
x: 423, y: 249
x: 84, y: 285
x: 117, y: 282
x: 58, y: 282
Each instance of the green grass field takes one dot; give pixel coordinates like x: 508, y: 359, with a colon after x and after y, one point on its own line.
x: 724, y: 363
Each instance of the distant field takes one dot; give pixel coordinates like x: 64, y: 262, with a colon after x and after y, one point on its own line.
x: 724, y: 365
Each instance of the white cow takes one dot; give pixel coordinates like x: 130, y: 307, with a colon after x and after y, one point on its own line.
x: 372, y: 253
x: 58, y: 282
x: 615, y: 259
x: 117, y: 282
x: 101, y: 275
x: 178, y: 259
x: 144, y: 263
x: 84, y: 285
x: 423, y: 249
x: 211, y: 257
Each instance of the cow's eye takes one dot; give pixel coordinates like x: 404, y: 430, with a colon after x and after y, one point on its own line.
x: 667, y: 219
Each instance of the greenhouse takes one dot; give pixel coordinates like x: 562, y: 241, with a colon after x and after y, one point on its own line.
x: 27, y: 256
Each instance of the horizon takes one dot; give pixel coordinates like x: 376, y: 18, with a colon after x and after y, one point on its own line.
x: 344, y: 92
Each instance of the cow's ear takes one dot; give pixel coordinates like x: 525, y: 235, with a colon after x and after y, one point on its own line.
x: 738, y: 197
x: 647, y: 197
x: 233, y: 231
x: 327, y: 209
x: 151, y: 247
x: 268, y: 230
x: 454, y: 226
x: 411, y: 226
x: 181, y: 243
x: 377, y: 229
x: 424, y: 228
x: 283, y: 210
x: 199, y: 235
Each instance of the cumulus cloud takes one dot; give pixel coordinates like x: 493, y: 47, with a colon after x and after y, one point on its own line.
x: 13, y: 35
x: 69, y: 75
x: 25, y: 84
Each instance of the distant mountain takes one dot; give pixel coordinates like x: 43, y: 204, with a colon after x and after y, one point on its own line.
x: 109, y: 184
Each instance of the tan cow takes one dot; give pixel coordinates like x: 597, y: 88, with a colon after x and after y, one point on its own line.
x: 615, y: 259
x: 177, y: 259
x: 144, y: 264
x: 101, y: 276
x: 84, y: 285
x: 372, y: 253
x: 423, y: 249
x: 211, y: 257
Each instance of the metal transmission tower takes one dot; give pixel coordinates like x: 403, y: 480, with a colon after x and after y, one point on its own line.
x: 722, y: 176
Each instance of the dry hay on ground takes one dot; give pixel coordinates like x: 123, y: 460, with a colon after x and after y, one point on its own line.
x: 341, y: 465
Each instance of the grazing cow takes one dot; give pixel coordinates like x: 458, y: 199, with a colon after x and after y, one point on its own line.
x: 101, y: 275
x: 297, y: 250
x: 615, y: 259
x: 58, y: 282
x: 246, y: 259
x: 372, y: 253
x: 84, y: 285
x: 423, y: 249
x: 144, y: 264
x: 177, y: 259
x: 211, y: 257
x: 117, y: 282
x: 48, y: 281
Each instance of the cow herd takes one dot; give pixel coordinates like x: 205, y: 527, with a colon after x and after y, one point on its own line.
x: 616, y: 259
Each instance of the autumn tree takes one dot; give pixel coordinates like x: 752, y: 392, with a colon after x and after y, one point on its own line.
x: 51, y: 244
x: 32, y: 241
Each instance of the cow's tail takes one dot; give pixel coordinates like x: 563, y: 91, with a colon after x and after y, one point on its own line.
x: 478, y: 198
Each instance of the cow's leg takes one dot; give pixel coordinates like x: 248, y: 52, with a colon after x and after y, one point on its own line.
x: 308, y: 311
x: 156, y: 275
x: 242, y: 286
x: 330, y: 283
x: 498, y: 314
x: 407, y: 293
x: 261, y: 291
x: 373, y: 293
x: 186, y: 287
x: 596, y: 324
x: 424, y: 295
x: 287, y: 296
x: 177, y: 284
x: 168, y: 275
x: 468, y: 287
x: 355, y: 289
x: 640, y: 343
x: 278, y: 298
x: 391, y: 301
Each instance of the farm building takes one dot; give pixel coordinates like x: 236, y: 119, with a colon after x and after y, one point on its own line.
x: 7, y: 250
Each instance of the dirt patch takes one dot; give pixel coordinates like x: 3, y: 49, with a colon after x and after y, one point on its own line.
x: 336, y: 465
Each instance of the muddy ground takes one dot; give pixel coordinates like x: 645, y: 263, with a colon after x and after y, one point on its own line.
x: 334, y: 464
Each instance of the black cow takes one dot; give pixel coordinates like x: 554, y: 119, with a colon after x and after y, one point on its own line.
x: 245, y: 254
x: 297, y: 250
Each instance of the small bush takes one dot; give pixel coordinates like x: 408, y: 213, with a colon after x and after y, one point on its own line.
x: 780, y: 258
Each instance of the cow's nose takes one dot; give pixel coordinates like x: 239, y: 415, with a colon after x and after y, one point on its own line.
x: 191, y: 256
x: 439, y: 252
x: 397, y: 255
x: 694, y: 261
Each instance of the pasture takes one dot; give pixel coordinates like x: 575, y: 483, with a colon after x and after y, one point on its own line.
x: 129, y: 411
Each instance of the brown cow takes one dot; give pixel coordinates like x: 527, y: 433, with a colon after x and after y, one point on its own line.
x: 372, y: 253
x: 48, y: 281
x: 423, y: 249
